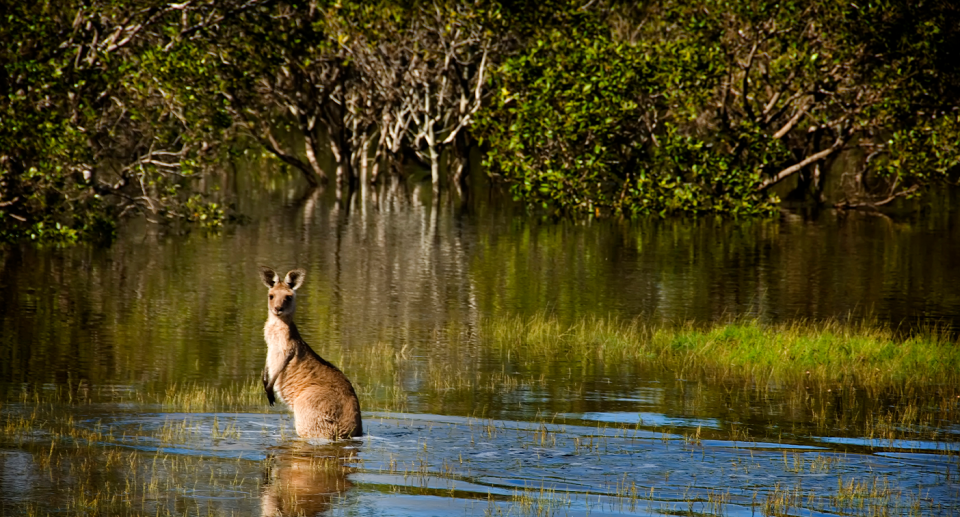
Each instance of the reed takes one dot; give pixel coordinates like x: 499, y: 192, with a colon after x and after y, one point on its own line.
x: 195, y: 397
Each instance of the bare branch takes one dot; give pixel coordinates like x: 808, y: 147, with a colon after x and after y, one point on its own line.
x: 872, y: 204
x: 792, y: 122
x: 785, y: 173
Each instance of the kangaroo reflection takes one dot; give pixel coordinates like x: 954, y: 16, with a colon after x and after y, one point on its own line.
x: 305, y: 480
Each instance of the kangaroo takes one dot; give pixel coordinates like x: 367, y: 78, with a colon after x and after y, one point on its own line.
x: 323, y: 401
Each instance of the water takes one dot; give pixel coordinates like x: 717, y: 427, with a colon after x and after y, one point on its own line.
x: 422, y: 464
x: 397, y: 290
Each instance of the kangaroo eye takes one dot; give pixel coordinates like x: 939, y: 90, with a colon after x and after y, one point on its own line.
x: 271, y: 296
x: 287, y: 299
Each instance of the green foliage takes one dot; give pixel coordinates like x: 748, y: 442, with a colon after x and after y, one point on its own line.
x: 685, y: 174
x: 581, y: 122
x: 207, y: 214
x: 704, y: 107
x: 924, y: 152
x: 98, y: 122
x: 42, y: 153
x: 575, y: 103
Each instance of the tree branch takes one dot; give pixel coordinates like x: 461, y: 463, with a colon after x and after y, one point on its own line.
x: 780, y: 176
x: 793, y: 120
x: 870, y: 204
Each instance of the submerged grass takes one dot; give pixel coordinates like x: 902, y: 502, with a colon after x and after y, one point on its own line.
x: 864, y: 354
x: 88, y: 468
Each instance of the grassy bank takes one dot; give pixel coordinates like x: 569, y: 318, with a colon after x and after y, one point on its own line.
x: 861, y: 354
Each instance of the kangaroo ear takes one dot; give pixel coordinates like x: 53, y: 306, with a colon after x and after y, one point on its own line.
x: 268, y: 277
x: 295, y: 278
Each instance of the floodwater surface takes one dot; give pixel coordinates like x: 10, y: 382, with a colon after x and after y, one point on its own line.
x: 130, y: 373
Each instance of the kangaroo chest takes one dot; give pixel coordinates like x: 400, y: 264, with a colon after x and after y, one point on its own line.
x: 281, y: 345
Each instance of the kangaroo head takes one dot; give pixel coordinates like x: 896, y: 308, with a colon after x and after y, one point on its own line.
x: 281, y: 298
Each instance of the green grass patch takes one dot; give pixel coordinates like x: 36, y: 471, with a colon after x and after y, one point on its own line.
x: 864, y: 354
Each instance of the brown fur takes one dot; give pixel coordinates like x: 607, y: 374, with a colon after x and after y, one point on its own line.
x: 323, y: 400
